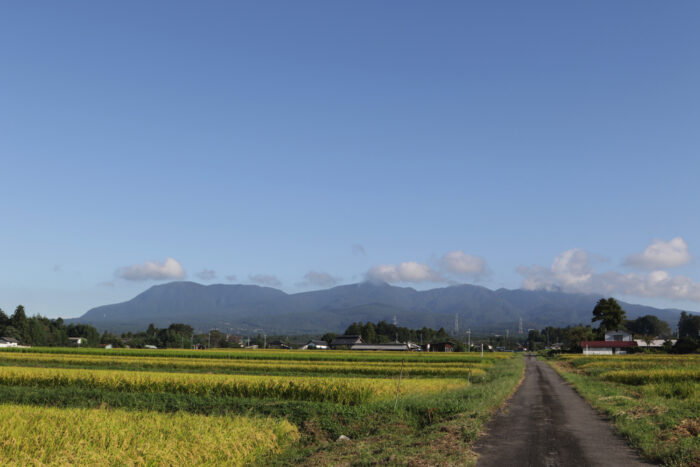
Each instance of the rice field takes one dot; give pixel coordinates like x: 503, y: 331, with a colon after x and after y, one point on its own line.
x: 456, y: 369
x: 49, y: 436
x: 305, y: 388
x: 163, y: 407
x: 653, y: 399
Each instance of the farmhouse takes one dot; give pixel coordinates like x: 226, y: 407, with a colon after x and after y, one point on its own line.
x: 8, y: 342
x: 317, y: 345
x: 344, y: 342
x: 446, y: 346
x: 387, y: 346
x: 77, y: 341
x: 616, y: 342
x: 278, y: 344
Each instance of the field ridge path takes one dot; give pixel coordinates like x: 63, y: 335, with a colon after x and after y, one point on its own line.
x: 546, y: 423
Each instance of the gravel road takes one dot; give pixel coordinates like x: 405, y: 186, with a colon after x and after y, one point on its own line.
x: 546, y: 423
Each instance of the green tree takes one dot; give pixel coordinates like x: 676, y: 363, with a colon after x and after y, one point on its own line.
x: 329, y: 336
x: 4, y: 319
x: 19, y: 322
x: 689, y: 325
x: 355, y: 329
x: 609, y: 313
x: 648, y: 325
x: 369, y: 333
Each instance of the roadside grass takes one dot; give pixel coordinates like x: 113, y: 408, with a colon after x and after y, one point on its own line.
x: 660, y: 418
x: 435, y: 430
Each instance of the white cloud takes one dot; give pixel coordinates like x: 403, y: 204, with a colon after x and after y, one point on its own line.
x: 463, y: 264
x: 661, y: 255
x: 152, y: 270
x: 405, y: 272
x: 571, y: 271
x: 318, y: 279
x: 265, y: 279
x: 206, y: 274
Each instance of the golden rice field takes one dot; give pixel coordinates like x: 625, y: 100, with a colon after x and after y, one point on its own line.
x: 269, y: 354
x: 65, y: 406
x: 307, y: 388
x: 216, y: 365
x: 639, y: 369
x: 49, y: 436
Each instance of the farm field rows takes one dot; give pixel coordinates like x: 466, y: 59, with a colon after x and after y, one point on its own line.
x: 269, y: 354
x: 653, y: 399
x: 237, y: 365
x: 247, y: 407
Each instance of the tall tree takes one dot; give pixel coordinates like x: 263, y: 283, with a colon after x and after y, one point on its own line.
x: 19, y: 321
x: 689, y: 325
x: 649, y: 325
x: 609, y: 313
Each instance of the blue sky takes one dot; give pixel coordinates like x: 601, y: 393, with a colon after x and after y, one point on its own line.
x: 305, y: 144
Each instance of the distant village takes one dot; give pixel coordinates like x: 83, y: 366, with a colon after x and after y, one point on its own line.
x: 615, y: 335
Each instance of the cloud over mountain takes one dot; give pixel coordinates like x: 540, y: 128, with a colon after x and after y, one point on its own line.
x: 452, y: 265
x: 152, y: 270
x: 661, y: 255
x: 571, y: 271
x: 318, y: 279
x: 265, y: 279
x: 409, y: 271
x: 462, y: 264
x: 206, y: 274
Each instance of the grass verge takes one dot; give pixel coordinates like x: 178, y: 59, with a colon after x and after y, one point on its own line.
x: 435, y: 430
x: 663, y: 423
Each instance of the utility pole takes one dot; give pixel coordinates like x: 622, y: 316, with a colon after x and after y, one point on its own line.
x: 209, y: 345
x: 520, y: 326
x: 456, y: 324
x: 469, y: 333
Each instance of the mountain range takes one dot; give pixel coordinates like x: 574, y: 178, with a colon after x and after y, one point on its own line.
x: 249, y: 309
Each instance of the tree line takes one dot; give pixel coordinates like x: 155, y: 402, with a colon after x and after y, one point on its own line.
x: 383, y: 332
x: 41, y: 331
x: 611, y: 317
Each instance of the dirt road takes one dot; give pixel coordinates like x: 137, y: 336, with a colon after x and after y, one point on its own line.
x: 547, y: 424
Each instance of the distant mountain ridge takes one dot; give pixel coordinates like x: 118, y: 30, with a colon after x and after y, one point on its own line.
x: 251, y: 308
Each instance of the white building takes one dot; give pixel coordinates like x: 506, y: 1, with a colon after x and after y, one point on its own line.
x: 77, y: 340
x: 618, y: 335
x: 654, y: 343
x: 8, y: 342
x: 314, y: 344
x: 616, y: 342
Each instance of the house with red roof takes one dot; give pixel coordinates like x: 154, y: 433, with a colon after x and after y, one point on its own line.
x: 616, y: 342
